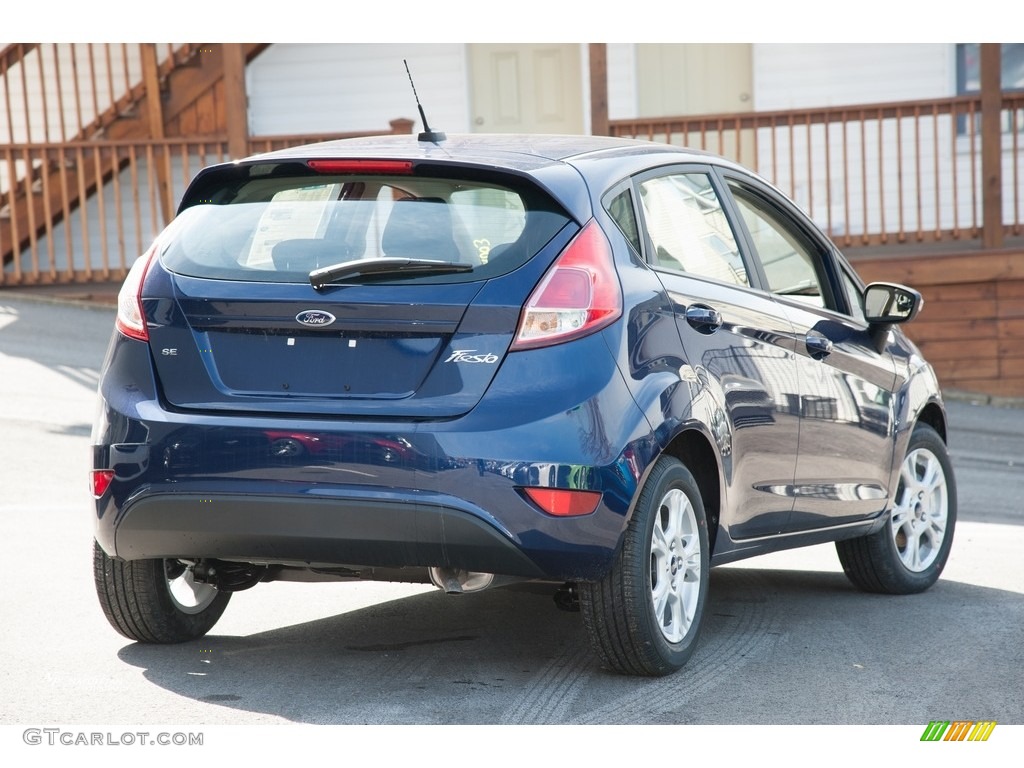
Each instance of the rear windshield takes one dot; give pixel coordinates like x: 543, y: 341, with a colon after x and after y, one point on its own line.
x: 280, y: 229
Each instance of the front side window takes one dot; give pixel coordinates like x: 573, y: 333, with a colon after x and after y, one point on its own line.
x: 280, y: 229
x: 688, y: 229
x: 853, y: 296
x: 791, y: 265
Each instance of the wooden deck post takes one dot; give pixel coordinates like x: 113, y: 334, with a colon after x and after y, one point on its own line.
x: 155, y: 113
x: 991, y: 147
x: 235, y: 100
x: 599, y: 89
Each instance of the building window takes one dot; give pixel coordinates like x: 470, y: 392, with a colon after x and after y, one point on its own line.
x: 968, y: 80
x: 968, y: 67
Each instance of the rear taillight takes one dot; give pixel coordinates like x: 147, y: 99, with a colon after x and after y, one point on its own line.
x: 579, y: 294
x: 130, y: 320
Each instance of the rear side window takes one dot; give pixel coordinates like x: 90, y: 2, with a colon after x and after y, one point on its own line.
x: 688, y: 229
x: 280, y: 229
x: 620, y: 208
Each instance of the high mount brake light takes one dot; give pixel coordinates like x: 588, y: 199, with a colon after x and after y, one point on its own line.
x: 130, y: 319
x: 398, y: 167
x: 579, y: 295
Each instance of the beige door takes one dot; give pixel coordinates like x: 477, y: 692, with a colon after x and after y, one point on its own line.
x: 694, y: 78
x: 698, y: 79
x: 526, y: 88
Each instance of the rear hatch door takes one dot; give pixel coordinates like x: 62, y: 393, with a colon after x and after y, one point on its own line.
x: 236, y: 324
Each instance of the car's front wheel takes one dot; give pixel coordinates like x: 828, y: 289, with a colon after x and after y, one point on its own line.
x: 908, y: 554
x: 155, y: 601
x: 644, y: 617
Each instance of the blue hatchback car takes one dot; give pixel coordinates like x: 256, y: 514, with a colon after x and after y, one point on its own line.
x: 600, y: 363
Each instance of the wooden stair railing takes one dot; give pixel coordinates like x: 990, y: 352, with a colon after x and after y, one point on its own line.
x: 52, y: 185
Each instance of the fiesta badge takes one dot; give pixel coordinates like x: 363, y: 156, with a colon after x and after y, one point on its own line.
x: 314, y: 318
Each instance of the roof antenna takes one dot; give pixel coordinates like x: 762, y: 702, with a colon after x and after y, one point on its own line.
x: 426, y: 134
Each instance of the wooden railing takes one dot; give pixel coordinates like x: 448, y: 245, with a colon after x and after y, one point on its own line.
x: 907, y: 172
x: 99, y: 204
x: 58, y: 92
x: 97, y: 144
x: 877, y: 174
x: 102, y: 203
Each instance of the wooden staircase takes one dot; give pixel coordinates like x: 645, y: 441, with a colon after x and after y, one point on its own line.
x: 54, y: 178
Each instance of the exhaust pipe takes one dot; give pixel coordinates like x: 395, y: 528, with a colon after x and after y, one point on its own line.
x: 456, y: 581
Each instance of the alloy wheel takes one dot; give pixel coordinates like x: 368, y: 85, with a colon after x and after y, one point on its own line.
x: 675, y: 565
x: 920, y: 516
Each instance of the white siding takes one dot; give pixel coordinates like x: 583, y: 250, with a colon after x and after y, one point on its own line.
x: 622, y: 86
x: 309, y: 88
x: 805, y: 75
x: 827, y: 75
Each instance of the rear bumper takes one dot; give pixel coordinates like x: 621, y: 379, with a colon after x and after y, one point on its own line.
x: 325, y: 531
x: 273, y: 522
x: 376, y: 493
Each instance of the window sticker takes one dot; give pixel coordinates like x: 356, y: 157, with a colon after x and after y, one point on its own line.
x: 293, y: 213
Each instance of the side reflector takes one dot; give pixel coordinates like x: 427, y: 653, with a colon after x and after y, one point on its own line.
x: 403, y: 167
x: 563, y: 503
x: 100, y: 481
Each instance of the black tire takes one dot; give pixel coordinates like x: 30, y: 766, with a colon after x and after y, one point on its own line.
x: 633, y: 630
x: 908, y: 554
x: 137, y: 600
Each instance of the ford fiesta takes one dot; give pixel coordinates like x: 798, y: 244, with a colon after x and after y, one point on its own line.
x: 600, y: 363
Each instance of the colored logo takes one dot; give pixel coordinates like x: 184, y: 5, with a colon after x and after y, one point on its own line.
x: 315, y: 317
x: 958, y: 730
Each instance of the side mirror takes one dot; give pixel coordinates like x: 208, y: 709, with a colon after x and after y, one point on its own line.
x: 886, y: 303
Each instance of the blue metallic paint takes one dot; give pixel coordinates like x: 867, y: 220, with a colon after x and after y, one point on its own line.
x: 594, y: 437
x: 592, y: 414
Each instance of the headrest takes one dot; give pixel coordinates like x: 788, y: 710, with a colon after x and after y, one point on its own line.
x: 420, y: 228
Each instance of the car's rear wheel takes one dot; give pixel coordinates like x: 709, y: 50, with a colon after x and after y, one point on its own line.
x: 155, y: 601
x: 908, y: 554
x: 645, y: 616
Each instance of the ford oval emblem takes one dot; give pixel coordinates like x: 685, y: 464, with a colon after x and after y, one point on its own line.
x: 315, y: 318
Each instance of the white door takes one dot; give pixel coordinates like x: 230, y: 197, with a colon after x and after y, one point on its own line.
x: 526, y: 88
x: 690, y: 79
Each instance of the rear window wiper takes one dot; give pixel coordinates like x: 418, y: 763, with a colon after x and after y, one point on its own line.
x: 323, y: 276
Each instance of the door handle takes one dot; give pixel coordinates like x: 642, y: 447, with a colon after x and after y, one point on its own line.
x: 818, y: 346
x: 703, y: 319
